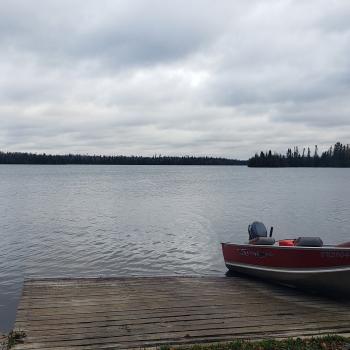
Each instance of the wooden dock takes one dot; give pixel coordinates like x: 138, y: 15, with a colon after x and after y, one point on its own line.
x: 115, y: 313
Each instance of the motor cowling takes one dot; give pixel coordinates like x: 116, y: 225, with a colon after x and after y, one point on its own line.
x: 257, y: 229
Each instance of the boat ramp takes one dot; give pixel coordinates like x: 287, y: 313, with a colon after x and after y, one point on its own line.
x: 143, y: 312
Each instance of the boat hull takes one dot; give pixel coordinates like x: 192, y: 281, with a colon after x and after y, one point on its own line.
x: 324, y: 269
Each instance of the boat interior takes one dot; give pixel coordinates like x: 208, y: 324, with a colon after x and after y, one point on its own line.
x: 258, y: 236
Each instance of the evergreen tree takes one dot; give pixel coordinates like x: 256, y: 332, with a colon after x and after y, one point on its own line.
x: 336, y: 156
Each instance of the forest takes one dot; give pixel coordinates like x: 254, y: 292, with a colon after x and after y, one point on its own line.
x: 336, y: 156
x: 33, y: 158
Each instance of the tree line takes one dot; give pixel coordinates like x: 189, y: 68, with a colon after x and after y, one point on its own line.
x: 336, y: 156
x: 33, y: 158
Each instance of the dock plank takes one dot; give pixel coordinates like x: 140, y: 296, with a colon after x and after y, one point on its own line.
x: 141, y: 312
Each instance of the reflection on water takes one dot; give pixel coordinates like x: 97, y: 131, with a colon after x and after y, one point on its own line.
x: 151, y: 220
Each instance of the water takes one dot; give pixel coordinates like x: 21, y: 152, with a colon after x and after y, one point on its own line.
x: 77, y: 221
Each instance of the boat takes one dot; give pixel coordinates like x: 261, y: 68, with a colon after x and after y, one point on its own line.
x: 300, y: 262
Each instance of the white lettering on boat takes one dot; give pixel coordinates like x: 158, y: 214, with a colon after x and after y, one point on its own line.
x: 334, y: 254
x: 255, y: 253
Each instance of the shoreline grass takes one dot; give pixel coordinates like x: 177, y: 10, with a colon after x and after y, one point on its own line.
x: 7, y: 341
x: 329, y: 342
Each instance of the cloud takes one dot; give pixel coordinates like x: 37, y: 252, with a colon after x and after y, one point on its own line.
x: 145, y: 77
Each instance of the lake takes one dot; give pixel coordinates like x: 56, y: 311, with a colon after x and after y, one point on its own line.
x: 88, y: 221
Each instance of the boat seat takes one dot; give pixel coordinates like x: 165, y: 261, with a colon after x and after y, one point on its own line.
x: 309, y: 242
x: 262, y: 241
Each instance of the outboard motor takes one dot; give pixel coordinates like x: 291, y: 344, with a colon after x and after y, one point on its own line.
x: 257, y: 229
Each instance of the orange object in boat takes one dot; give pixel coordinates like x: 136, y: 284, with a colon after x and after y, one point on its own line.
x: 286, y: 242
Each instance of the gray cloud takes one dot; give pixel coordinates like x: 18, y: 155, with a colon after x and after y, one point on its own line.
x: 116, y: 33
x: 176, y: 77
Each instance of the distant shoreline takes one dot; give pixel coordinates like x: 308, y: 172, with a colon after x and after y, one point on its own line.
x: 78, y: 159
x: 338, y: 156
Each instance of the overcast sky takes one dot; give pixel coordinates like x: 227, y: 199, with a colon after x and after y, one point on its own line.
x: 223, y: 78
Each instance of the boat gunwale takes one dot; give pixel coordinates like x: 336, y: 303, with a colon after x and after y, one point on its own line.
x: 324, y: 247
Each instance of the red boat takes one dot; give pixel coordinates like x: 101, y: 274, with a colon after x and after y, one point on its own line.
x: 303, y: 262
